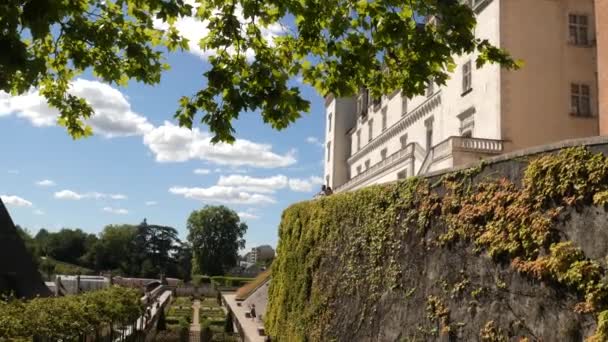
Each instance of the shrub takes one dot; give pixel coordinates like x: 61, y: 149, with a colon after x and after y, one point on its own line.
x: 66, y: 318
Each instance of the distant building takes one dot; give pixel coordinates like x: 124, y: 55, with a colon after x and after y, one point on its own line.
x: 479, y: 112
x: 260, y: 254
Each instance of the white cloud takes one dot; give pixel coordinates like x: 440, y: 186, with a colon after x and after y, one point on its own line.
x: 45, y: 182
x: 247, y: 183
x: 194, y: 30
x: 72, y: 195
x: 202, y: 171
x: 12, y: 172
x: 171, y: 143
x: 305, y: 185
x: 247, y: 216
x: 269, y: 184
x: 116, y: 211
x: 222, y: 194
x: 230, y: 170
x: 151, y: 203
x: 15, y: 201
x: 68, y: 194
x: 38, y: 212
x: 113, y: 116
x: 314, y: 141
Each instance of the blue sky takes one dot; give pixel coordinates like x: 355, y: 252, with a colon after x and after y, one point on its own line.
x: 141, y: 165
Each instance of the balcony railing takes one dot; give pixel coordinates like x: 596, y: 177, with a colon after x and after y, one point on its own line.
x: 461, y: 144
x: 478, y: 145
x: 384, y: 164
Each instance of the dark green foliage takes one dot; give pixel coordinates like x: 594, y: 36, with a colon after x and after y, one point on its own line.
x: 338, y: 46
x: 129, y: 250
x: 206, y: 332
x: 230, y: 281
x: 200, y: 279
x: 68, y: 245
x: 30, y: 244
x: 216, y: 235
x: 154, y: 249
x: 228, y: 326
x: 162, y: 323
x: 113, y: 250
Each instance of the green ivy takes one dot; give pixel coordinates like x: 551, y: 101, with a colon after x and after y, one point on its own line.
x: 358, y: 236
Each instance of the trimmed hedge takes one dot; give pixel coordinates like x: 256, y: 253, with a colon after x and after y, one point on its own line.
x: 200, y: 279
x: 70, y: 317
x: 230, y: 281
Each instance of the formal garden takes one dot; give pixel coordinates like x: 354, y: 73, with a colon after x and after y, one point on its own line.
x: 212, y: 319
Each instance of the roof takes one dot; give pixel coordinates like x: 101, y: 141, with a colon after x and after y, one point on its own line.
x: 18, y: 274
x: 245, y: 291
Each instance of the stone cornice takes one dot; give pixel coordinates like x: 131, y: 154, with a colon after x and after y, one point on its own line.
x: 418, y: 113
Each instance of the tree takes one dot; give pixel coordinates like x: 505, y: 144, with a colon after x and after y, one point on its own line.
x: 184, y: 262
x: 48, y: 267
x: 216, y: 235
x: 154, y: 249
x: 30, y: 244
x: 113, y: 249
x: 67, y: 245
x: 337, y: 46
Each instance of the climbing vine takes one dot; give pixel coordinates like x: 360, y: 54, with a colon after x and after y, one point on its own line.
x: 68, y: 318
x: 359, y: 236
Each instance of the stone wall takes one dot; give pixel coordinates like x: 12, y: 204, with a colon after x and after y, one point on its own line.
x: 396, y: 263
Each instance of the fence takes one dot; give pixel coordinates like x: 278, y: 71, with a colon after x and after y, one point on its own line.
x: 203, y: 290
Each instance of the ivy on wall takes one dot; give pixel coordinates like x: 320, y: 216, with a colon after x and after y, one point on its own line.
x: 68, y: 318
x: 359, y: 235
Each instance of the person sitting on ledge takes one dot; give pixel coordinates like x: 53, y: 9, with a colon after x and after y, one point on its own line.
x: 322, y: 192
x: 253, y: 311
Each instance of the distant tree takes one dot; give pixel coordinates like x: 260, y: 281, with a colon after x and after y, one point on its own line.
x: 184, y: 262
x: 48, y: 267
x: 216, y: 234
x: 30, y: 243
x: 42, y: 238
x: 68, y: 245
x: 154, y: 248
x: 113, y: 249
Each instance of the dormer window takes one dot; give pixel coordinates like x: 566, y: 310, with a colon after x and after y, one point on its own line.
x: 362, y: 103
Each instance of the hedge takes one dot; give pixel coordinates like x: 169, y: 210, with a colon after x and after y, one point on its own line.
x: 230, y: 281
x: 70, y: 317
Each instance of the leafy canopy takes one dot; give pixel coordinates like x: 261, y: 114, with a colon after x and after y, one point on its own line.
x: 337, y: 46
x: 216, y: 234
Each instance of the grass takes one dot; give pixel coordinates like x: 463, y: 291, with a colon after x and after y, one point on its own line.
x: 66, y: 268
x: 230, y: 281
x: 246, y: 290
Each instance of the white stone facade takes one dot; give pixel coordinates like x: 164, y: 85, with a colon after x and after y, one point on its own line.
x: 479, y: 112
